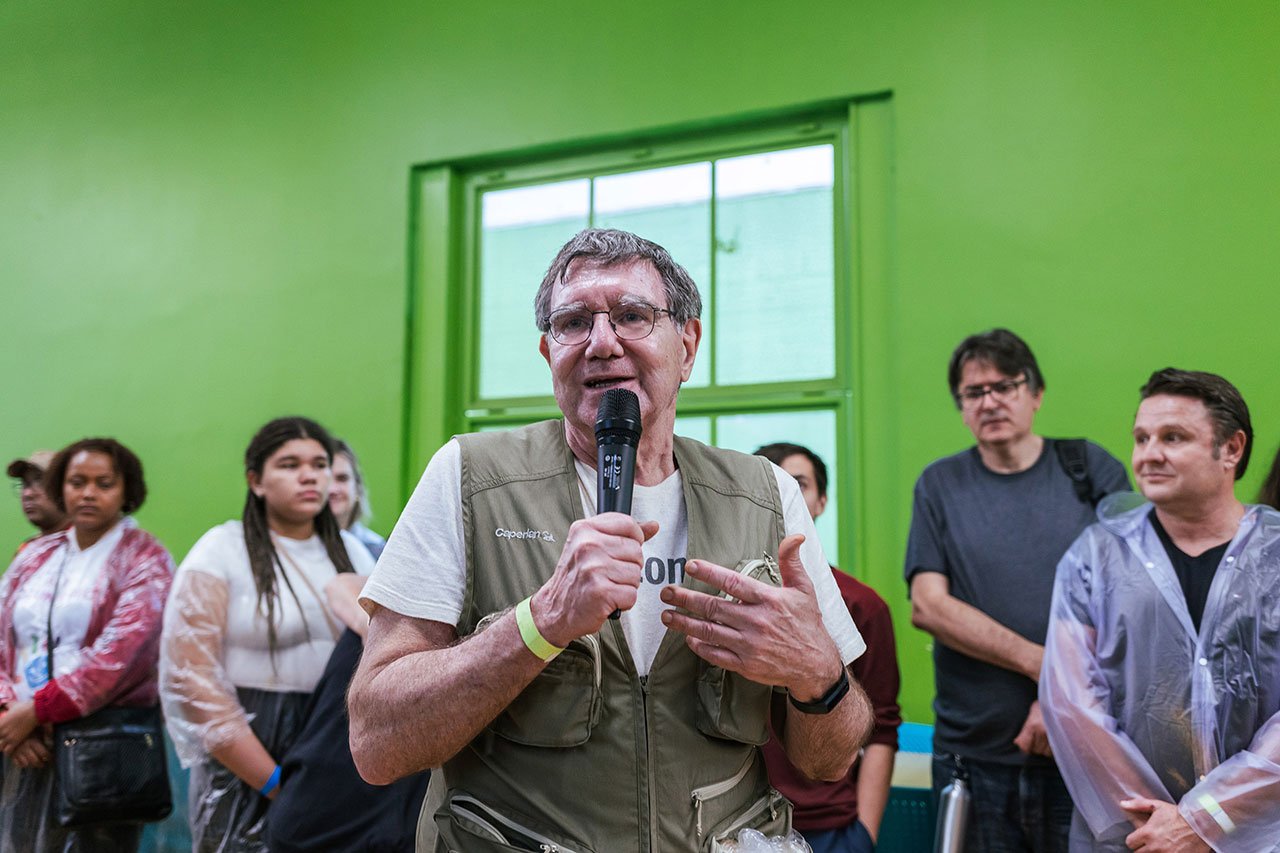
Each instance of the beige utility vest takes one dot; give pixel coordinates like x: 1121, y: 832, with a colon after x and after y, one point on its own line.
x: 591, y: 757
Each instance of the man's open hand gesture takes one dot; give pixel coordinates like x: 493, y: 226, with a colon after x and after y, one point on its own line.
x: 771, y: 635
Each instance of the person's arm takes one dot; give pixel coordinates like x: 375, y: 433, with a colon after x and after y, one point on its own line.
x: 1234, y: 807
x: 776, y: 636
x: 967, y: 629
x: 877, y: 669
x: 1099, y: 763
x: 936, y: 611
x: 343, y: 594
x: 201, y: 709
x: 419, y: 696
x: 875, y: 772
x: 248, y: 759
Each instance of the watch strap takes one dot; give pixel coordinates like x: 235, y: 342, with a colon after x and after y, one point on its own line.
x: 827, y: 701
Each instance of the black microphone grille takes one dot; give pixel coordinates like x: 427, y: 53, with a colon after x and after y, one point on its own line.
x: 619, y: 403
x: 619, y: 412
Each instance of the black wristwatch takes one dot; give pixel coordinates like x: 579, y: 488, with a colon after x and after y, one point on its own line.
x: 827, y: 701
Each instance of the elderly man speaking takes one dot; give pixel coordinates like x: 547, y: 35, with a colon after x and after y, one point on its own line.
x: 1161, y: 679
x: 559, y: 728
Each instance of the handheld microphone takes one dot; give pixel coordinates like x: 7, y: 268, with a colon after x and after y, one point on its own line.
x: 617, y: 436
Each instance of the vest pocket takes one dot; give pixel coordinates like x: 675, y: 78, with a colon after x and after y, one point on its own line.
x: 469, y: 826
x: 730, y: 706
x: 769, y: 814
x: 562, y: 705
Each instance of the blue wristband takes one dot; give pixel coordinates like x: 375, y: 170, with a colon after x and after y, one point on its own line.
x: 272, y: 782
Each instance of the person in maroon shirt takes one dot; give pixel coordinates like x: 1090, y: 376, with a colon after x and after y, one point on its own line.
x: 844, y: 816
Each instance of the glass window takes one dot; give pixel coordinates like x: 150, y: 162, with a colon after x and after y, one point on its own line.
x: 775, y: 265
x: 815, y: 429
x: 521, y: 230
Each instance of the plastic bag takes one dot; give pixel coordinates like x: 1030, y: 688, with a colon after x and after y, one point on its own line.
x: 754, y: 841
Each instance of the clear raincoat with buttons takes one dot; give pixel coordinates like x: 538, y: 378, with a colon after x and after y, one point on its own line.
x: 1137, y: 703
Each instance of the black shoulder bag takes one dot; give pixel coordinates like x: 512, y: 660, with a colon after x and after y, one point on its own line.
x: 109, y: 767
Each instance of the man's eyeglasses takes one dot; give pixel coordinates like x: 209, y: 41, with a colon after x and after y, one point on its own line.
x: 632, y: 322
x: 1000, y: 391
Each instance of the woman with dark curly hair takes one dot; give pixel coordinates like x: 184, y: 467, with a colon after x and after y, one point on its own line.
x: 248, y: 633
x: 101, y: 587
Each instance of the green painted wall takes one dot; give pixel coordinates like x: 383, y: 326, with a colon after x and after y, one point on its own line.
x: 205, y: 208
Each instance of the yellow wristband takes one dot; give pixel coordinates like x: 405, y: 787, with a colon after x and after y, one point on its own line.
x: 530, y: 634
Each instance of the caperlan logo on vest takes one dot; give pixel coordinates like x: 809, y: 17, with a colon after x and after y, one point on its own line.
x: 544, y: 535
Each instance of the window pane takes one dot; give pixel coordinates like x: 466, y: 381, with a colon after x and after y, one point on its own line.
x: 815, y: 429
x: 522, y: 231
x: 775, y: 266
x: 672, y: 207
x: 695, y: 428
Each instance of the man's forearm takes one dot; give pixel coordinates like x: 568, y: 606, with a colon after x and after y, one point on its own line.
x: 824, y: 746
x: 415, y: 709
x: 875, y: 773
x: 968, y: 630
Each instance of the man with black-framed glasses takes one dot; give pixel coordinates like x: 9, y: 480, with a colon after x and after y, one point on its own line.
x: 988, y: 527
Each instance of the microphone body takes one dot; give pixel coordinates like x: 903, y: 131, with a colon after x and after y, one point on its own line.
x: 615, y: 476
x: 617, y: 437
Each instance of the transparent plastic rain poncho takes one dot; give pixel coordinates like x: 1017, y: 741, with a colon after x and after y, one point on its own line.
x: 201, y: 708
x: 1136, y: 704
x: 204, y: 711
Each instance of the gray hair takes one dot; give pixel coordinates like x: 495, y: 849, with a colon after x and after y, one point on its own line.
x: 608, y: 247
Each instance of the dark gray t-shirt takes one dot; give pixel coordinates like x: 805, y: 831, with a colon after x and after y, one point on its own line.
x: 998, y: 539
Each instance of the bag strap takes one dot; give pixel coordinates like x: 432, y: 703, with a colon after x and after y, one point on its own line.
x: 48, y: 639
x: 324, y: 608
x: 1071, y: 455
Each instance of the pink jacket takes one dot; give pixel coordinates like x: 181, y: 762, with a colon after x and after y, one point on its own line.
x: 122, y: 643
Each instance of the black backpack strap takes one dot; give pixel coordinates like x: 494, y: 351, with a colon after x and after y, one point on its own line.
x: 1071, y: 454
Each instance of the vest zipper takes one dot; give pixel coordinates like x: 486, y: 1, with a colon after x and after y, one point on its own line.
x: 715, y: 789
x: 545, y: 845
x: 481, y: 822
x: 648, y: 761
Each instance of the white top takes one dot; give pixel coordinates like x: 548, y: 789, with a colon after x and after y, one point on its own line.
x: 304, y: 638
x: 81, y: 571
x: 422, y: 572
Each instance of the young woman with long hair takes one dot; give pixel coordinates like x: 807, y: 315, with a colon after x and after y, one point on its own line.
x: 247, y: 633
x: 89, y: 599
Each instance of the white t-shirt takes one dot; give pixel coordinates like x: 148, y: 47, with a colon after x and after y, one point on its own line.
x: 304, y: 639
x: 422, y: 573
x: 81, y: 573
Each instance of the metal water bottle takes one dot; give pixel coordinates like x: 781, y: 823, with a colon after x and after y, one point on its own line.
x: 953, y: 813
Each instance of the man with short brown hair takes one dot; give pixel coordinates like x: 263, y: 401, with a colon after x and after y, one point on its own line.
x: 1161, y: 679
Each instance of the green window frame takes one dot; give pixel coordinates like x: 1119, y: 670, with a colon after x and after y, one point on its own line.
x: 442, y: 359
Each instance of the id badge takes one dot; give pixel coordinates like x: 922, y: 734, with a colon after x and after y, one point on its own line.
x: 37, y: 672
